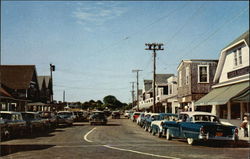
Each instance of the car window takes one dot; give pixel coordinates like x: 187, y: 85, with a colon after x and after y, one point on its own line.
x: 206, y: 118
x: 5, y: 116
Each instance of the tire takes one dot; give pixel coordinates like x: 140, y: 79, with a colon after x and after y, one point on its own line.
x: 159, y: 134
x: 145, y: 128
x: 150, y: 129
x: 168, y: 136
x: 153, y: 132
x: 190, y: 141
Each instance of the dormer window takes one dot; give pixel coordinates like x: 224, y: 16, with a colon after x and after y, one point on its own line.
x: 240, y: 56
x: 237, y: 57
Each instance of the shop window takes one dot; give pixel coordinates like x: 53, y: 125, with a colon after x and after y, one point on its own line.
x: 235, y: 111
x: 223, y: 111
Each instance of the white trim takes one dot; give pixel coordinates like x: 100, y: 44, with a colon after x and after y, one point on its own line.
x: 207, y: 66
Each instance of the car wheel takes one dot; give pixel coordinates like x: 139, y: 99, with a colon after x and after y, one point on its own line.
x: 168, y: 136
x: 145, y: 128
x: 159, y: 134
x: 190, y: 141
x: 153, y: 132
x: 150, y: 129
x: 6, y: 134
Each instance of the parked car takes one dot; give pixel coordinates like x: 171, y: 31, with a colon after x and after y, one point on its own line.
x: 157, y: 126
x: 15, y: 123
x: 149, y: 119
x: 115, y: 115
x: 4, y: 130
x: 143, y: 119
x: 98, y: 117
x: 138, y: 120
x: 34, y: 121
x: 196, y: 126
x: 50, y: 119
x: 135, y: 115
x: 107, y: 113
x: 65, y: 118
x: 126, y: 114
x: 79, y: 116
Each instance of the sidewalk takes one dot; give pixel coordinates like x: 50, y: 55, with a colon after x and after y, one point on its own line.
x: 241, y: 136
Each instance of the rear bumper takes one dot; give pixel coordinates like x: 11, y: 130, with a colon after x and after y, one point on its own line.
x: 221, y: 138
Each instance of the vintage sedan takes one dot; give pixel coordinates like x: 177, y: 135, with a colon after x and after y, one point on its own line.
x: 34, y: 121
x: 158, y: 126
x: 4, y: 130
x: 197, y: 126
x: 65, y: 118
x: 98, y: 117
x: 115, y: 115
x: 149, y: 119
x: 15, y: 123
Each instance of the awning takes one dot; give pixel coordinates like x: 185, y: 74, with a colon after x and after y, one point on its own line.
x: 36, y: 104
x: 245, y: 96
x: 222, y: 95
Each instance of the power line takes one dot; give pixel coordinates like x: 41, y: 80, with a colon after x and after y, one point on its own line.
x: 216, y: 31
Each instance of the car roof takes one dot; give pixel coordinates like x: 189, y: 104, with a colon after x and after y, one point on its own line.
x: 197, y: 113
x: 10, y: 112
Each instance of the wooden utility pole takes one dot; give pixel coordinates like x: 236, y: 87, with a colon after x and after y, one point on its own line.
x: 154, y: 47
x: 52, y: 68
x: 137, y: 85
x: 133, y: 93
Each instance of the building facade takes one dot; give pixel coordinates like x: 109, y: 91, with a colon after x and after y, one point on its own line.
x: 195, y: 79
x: 229, y: 98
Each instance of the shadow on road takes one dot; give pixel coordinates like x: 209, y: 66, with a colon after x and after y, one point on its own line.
x: 10, y: 149
x: 222, y: 144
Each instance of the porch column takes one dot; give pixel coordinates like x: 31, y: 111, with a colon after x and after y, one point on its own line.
x: 228, y: 110
x: 192, y: 106
x: 242, y: 110
x: 213, y: 111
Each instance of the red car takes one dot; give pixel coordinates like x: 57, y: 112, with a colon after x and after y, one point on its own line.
x: 135, y: 116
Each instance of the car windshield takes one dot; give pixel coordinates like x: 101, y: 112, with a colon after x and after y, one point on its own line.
x: 28, y: 116
x: 170, y: 117
x: 5, y: 116
x: 156, y: 117
x: 206, y: 118
x: 65, y: 113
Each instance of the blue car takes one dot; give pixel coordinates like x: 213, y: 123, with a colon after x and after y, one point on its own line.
x: 197, y: 126
x: 158, y: 126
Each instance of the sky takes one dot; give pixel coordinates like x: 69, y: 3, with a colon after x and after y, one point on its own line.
x: 95, y: 45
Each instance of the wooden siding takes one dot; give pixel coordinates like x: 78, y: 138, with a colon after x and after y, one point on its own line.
x: 195, y: 90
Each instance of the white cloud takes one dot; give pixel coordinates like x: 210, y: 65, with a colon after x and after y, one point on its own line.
x: 97, y: 13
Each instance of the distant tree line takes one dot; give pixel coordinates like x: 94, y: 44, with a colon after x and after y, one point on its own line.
x: 109, y: 102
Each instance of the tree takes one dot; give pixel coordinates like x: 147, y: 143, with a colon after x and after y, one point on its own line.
x: 112, y: 103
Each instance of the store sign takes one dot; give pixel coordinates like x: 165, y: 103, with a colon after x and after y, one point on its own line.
x: 238, y: 72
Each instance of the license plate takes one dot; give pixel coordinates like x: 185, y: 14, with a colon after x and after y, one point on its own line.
x: 219, y: 134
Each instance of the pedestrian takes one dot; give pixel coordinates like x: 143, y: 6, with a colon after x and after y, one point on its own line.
x: 243, y: 125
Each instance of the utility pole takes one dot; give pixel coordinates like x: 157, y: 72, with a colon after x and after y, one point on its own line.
x: 52, y: 68
x: 133, y: 93
x: 154, y: 47
x: 137, y: 85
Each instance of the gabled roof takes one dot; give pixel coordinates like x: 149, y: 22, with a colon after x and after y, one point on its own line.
x: 195, y: 61
x: 244, y: 36
x: 47, y: 80
x: 40, y: 80
x: 4, y: 93
x: 17, y: 76
x: 162, y: 78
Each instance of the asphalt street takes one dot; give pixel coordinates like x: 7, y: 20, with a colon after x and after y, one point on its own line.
x: 119, y: 139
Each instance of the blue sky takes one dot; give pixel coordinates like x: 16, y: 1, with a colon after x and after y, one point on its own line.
x: 96, y: 45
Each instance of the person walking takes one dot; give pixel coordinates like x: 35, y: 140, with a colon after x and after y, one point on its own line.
x: 243, y: 125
